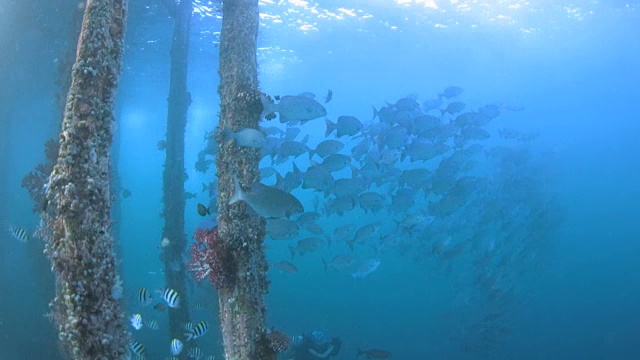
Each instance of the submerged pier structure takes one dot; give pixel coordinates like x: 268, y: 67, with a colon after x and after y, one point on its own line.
x: 76, y: 218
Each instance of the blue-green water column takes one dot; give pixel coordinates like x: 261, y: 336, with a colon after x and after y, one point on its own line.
x: 77, y: 220
x: 242, y: 308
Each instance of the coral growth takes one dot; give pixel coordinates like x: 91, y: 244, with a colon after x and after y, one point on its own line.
x: 211, y: 258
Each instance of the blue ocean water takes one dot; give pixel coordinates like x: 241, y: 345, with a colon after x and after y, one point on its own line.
x: 538, y: 260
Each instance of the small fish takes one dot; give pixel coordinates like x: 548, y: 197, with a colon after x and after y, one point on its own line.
x: 305, y: 246
x: 159, y: 307
x: 339, y: 262
x: 366, y: 268
x: 203, y: 210
x: 451, y: 91
x: 176, y: 347
x: 329, y: 96
x: 285, y: 266
x: 19, y: 233
x: 136, y: 321
x: 199, y: 330
x: 195, y: 353
x: 144, y: 297
x: 126, y: 193
x: 153, y: 325
x: 171, y: 297
x: 137, y: 348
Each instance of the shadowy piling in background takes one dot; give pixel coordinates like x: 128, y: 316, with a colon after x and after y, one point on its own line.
x: 174, y: 174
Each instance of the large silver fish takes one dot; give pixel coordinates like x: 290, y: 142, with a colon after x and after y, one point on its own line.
x: 292, y: 109
x: 246, y: 137
x: 346, y: 125
x: 267, y: 201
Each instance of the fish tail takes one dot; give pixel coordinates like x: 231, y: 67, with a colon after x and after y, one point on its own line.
x: 292, y: 250
x: 238, y: 195
x: 279, y: 181
x: 268, y: 106
x: 331, y: 126
x: 226, y: 134
x: 350, y: 243
x: 375, y: 112
x: 296, y: 170
x: 354, y: 171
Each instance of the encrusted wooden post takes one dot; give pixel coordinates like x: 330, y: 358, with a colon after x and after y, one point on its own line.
x: 77, y: 222
x: 241, y: 296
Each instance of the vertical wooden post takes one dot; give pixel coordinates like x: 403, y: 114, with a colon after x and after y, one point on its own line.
x: 242, y: 308
x: 79, y: 242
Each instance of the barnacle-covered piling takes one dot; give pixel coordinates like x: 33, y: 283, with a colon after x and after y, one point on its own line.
x: 77, y: 222
x: 242, y: 309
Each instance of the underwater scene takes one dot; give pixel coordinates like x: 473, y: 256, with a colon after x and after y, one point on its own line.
x: 293, y: 179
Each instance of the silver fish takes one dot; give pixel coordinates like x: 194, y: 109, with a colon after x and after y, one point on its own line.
x: 246, y: 137
x: 366, y: 268
x: 336, y: 162
x: 292, y: 109
x: 451, y: 91
x: 326, y: 148
x: 267, y: 201
x: 282, y: 229
x: 345, y: 125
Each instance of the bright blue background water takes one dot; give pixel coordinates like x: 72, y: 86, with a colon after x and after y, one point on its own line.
x: 572, y: 66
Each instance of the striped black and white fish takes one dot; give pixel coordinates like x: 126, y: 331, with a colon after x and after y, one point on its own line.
x: 188, y: 326
x: 137, y: 348
x: 136, y: 321
x: 171, y: 297
x: 195, y: 353
x: 19, y: 233
x: 199, y: 330
x: 144, y: 297
x: 153, y: 325
x: 176, y: 347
